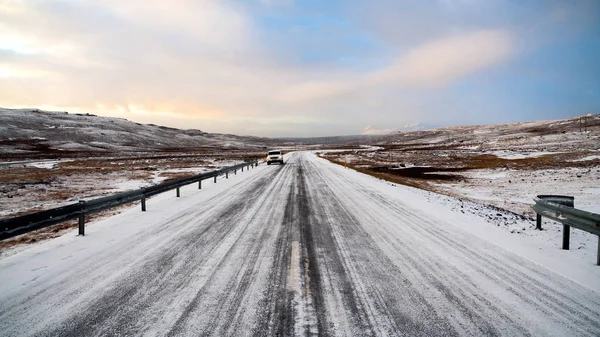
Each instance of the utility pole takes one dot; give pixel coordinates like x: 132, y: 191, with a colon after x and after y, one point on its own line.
x: 586, y: 120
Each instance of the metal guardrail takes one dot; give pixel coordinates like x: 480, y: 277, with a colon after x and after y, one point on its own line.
x: 30, y: 222
x: 561, y: 209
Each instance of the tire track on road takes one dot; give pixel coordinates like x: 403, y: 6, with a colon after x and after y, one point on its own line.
x: 383, y: 305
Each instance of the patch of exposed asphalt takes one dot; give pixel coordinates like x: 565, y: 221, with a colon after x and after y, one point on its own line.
x: 280, y: 317
x: 310, y: 267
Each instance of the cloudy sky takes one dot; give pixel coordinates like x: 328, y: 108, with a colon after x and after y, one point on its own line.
x: 303, y: 68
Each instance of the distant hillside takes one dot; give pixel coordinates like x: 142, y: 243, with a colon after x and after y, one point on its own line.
x: 333, y: 140
x: 554, y: 135
x: 26, y: 132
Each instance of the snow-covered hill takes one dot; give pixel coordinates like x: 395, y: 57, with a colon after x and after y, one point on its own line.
x: 32, y: 132
x: 553, y: 135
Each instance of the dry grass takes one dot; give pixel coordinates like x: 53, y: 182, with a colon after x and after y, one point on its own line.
x: 170, y: 176
x: 436, y: 167
x: 418, y: 183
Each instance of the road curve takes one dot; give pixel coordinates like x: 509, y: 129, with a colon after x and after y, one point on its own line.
x: 300, y: 249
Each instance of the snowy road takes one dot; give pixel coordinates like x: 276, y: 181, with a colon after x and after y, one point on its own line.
x: 300, y: 249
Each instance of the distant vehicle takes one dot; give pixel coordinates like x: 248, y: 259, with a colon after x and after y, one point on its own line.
x: 275, y: 156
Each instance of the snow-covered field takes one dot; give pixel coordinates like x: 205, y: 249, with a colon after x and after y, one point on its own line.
x: 43, y: 184
x: 498, y: 209
x: 495, y: 171
x: 50, y: 159
x: 514, y: 190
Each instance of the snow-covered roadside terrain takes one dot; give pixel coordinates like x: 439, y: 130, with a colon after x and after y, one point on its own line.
x: 55, y: 189
x: 515, y: 189
x: 495, y: 172
x: 300, y: 249
x: 514, y: 232
x: 51, y: 159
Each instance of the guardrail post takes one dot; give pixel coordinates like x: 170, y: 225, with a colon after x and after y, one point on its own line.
x: 566, y: 236
x: 215, y: 179
x: 143, y: 203
x: 199, y: 184
x: 178, y: 194
x: 226, y: 174
x: 567, y: 228
x: 598, y: 257
x: 235, y: 172
x: 538, y: 222
x: 82, y: 218
x: 242, y: 169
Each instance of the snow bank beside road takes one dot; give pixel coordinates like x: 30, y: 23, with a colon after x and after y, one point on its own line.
x: 488, y: 223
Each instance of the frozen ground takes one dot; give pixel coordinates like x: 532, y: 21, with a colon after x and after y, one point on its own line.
x: 302, y: 249
x: 495, y: 171
x: 515, y: 189
x: 43, y: 184
x: 50, y: 159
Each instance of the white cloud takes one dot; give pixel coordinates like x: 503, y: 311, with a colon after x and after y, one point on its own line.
x: 433, y: 64
x: 213, y: 65
x: 442, y: 61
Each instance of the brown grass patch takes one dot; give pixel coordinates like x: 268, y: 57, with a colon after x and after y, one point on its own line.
x: 418, y: 183
x: 170, y: 176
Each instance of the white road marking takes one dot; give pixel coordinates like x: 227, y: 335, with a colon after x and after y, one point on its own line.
x: 294, y: 277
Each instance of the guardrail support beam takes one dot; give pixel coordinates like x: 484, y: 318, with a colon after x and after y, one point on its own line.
x: 566, y: 237
x: 215, y: 179
x: 199, y: 184
x: 82, y: 224
x: 538, y: 222
x: 226, y: 174
x: 598, y: 257
x: 178, y: 194
x: 82, y: 218
x: 143, y: 204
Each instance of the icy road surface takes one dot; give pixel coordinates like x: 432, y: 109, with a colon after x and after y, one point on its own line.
x: 300, y: 249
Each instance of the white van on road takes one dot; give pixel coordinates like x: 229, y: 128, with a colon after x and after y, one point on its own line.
x: 275, y: 156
